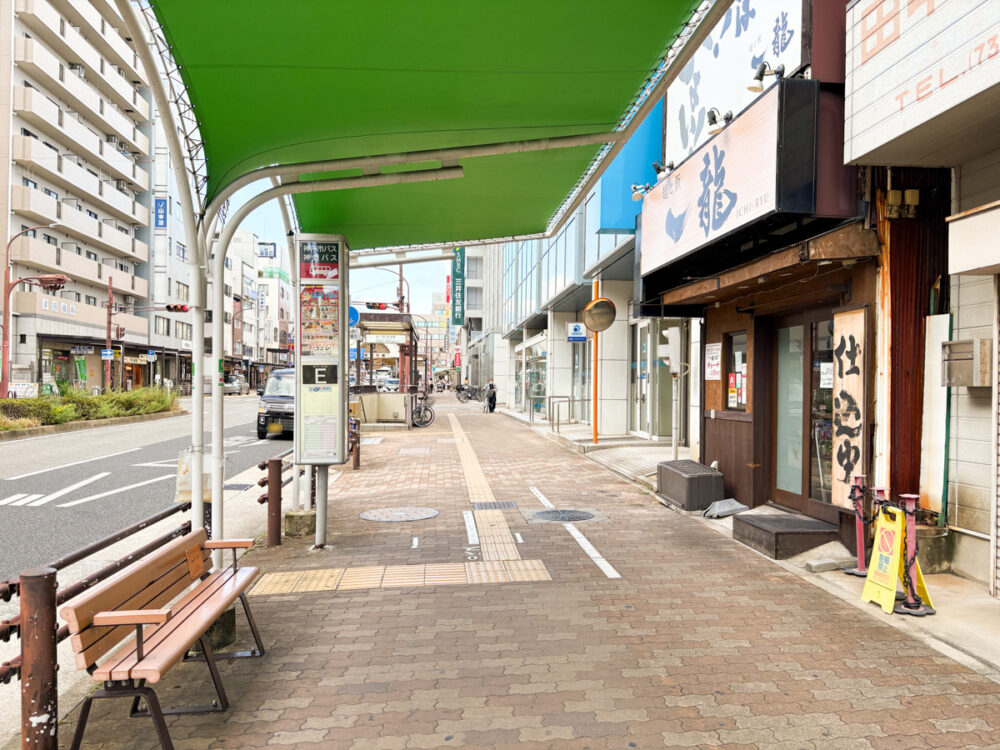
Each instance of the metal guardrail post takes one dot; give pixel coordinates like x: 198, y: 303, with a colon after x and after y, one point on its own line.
x: 39, y: 695
x: 274, y: 502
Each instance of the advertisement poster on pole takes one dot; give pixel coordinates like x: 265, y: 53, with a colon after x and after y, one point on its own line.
x: 321, y: 353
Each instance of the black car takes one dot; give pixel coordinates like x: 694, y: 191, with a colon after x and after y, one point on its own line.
x: 276, y: 411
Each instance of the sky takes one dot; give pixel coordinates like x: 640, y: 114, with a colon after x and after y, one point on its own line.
x: 367, y: 285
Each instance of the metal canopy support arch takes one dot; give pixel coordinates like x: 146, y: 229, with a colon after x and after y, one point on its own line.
x: 196, y: 257
x: 200, y: 229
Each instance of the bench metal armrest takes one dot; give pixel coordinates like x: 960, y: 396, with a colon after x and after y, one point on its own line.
x: 136, y: 617
x: 132, y: 617
x: 233, y: 544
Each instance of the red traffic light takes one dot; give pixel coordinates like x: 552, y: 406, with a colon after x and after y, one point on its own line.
x: 376, y: 305
x: 177, y: 308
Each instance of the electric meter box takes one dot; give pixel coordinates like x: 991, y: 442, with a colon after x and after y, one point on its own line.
x: 967, y: 363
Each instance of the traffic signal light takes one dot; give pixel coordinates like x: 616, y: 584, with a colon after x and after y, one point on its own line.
x: 376, y: 305
x: 177, y: 308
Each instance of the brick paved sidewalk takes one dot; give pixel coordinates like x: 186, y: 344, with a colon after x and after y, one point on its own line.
x: 700, y: 642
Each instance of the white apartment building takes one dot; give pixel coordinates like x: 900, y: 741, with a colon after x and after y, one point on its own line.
x: 76, y: 139
x: 170, y: 333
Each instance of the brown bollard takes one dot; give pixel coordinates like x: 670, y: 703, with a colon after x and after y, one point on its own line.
x: 39, y: 696
x: 274, y: 502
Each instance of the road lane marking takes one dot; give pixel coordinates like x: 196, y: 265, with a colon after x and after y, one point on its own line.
x: 416, y: 542
x: 518, y: 537
x: 167, y: 463
x: 75, y: 463
x: 470, y: 528
x: 66, y: 490
x: 592, y: 552
x: 115, y: 492
x: 25, y: 500
x: 12, y: 498
x: 541, y: 498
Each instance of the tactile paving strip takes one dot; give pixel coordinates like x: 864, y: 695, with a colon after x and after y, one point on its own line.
x: 397, y: 576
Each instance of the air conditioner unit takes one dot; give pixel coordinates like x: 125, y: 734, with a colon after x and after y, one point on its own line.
x: 129, y: 299
x: 77, y: 68
x: 112, y: 139
x: 121, y: 185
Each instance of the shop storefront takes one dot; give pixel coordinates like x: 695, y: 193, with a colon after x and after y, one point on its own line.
x: 763, y: 229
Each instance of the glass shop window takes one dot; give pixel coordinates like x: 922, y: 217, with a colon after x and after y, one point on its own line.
x: 736, y: 384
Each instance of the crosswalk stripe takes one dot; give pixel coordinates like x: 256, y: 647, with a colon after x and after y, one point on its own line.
x: 26, y: 500
x: 66, y: 490
x: 12, y: 498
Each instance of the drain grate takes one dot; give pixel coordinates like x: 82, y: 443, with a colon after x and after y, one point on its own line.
x: 237, y: 487
x: 399, y: 514
x: 499, y: 505
x: 563, y: 516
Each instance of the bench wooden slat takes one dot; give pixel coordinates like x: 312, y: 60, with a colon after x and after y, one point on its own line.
x: 132, y: 617
x: 152, y: 636
x: 172, y: 640
x: 79, y: 611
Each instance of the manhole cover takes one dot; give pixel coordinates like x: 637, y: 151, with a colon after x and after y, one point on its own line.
x: 240, y: 487
x: 398, y: 514
x: 563, y: 516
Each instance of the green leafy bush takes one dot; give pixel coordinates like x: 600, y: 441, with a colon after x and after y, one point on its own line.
x: 80, y: 405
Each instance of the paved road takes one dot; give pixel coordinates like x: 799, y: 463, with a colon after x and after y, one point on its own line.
x: 61, y: 492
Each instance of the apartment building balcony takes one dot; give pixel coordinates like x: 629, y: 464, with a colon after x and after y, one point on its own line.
x: 77, y: 92
x: 57, y: 259
x: 43, y: 209
x: 35, y: 303
x: 36, y: 110
x: 64, y: 172
x: 47, y: 24
x: 104, y: 36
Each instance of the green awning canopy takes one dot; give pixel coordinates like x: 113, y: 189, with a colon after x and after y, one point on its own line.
x: 283, y: 82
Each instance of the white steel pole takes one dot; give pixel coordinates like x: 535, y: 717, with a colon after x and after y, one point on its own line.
x: 676, y: 410
x: 196, y: 259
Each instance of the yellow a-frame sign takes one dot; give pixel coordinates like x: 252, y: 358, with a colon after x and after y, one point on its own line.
x: 886, y: 565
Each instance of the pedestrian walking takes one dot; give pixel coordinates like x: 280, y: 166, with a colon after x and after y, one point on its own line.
x: 491, y: 396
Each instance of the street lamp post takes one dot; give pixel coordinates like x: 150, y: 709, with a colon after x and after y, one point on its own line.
x: 49, y: 282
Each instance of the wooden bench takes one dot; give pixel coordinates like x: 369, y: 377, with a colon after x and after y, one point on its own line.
x: 138, y: 607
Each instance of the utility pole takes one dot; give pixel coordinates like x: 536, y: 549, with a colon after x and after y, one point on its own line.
x: 399, y: 292
x: 107, y: 343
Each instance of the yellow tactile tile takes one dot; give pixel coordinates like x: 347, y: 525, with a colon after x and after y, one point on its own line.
x: 276, y: 583
x: 361, y: 578
x: 324, y: 579
x: 526, y: 570
x: 403, y: 575
x: 486, y: 571
x: 440, y: 574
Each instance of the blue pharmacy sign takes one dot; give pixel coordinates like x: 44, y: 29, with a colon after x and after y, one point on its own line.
x: 160, y: 211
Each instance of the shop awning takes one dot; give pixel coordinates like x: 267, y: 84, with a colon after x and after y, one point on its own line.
x: 316, y: 80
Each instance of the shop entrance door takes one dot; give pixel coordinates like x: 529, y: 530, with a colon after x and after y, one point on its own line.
x: 802, y: 440
x: 641, y: 374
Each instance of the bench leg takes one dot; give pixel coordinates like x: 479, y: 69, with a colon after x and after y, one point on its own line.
x: 216, y: 677
x: 81, y: 723
x: 253, y: 653
x: 216, y: 706
x: 137, y: 693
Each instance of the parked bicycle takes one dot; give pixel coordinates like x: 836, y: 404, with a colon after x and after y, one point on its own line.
x: 465, y: 392
x: 423, y: 414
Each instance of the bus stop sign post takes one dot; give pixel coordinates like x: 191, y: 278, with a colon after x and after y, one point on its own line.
x: 321, y: 361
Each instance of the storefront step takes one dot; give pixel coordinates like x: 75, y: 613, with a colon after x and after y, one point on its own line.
x: 781, y: 535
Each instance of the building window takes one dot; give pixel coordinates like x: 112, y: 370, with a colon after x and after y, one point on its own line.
x: 474, y: 297
x: 91, y: 214
x: 183, y: 330
x: 50, y: 239
x: 228, y: 318
x: 182, y: 291
x: 182, y: 252
x: 91, y: 301
x: 28, y: 232
x: 227, y: 290
x: 474, y: 269
x: 29, y: 183
x: 162, y: 325
x: 229, y: 263
x: 91, y: 255
x: 735, y: 383
x: 51, y: 193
